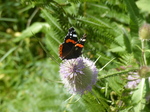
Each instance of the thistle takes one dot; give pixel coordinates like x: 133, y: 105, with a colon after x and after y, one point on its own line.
x: 133, y: 81
x: 144, y: 32
x: 78, y: 75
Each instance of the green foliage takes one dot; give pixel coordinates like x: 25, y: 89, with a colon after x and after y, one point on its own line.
x: 138, y: 97
x: 30, y: 34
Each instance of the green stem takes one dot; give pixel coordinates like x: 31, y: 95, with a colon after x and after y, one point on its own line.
x: 143, y: 53
x: 117, y: 73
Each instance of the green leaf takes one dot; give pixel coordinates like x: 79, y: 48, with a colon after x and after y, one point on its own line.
x: 127, y: 42
x: 116, y: 48
x: 51, y: 20
x: 138, y: 97
x: 115, y: 83
x: 134, y: 15
x: 7, y: 54
x: 32, y: 30
x: 143, y: 5
x: 93, y: 22
x: 126, y: 110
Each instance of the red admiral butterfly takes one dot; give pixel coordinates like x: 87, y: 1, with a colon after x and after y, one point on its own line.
x: 71, y: 47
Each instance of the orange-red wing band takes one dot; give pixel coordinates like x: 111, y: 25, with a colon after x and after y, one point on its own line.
x: 60, y: 50
x: 79, y: 45
x: 72, y: 41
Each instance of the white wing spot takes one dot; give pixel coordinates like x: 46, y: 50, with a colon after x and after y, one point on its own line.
x: 83, y: 39
x: 74, y: 35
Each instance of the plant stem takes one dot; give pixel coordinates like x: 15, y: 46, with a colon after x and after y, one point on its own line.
x: 143, y: 53
x: 117, y: 73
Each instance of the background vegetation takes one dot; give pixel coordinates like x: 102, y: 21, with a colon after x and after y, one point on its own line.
x: 29, y: 76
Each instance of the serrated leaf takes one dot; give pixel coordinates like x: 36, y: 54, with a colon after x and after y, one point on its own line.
x: 90, y: 22
x: 116, y: 48
x: 51, y: 20
x: 115, y: 83
x: 134, y: 15
x: 127, y: 42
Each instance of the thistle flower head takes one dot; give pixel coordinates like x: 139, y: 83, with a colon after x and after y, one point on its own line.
x: 78, y: 75
x: 133, y: 81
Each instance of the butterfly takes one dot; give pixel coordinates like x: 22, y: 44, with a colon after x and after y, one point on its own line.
x: 71, y: 47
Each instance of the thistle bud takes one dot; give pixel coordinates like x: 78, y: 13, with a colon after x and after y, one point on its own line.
x: 144, y: 71
x: 144, y: 32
